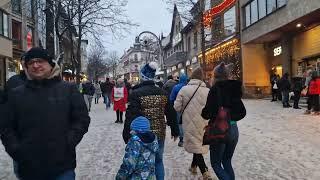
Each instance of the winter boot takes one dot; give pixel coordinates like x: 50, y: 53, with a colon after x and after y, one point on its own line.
x: 117, y: 121
x: 193, y: 170
x: 207, y: 176
x: 180, y: 144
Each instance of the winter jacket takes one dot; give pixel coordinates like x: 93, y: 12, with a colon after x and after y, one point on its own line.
x: 297, y: 84
x: 159, y: 84
x: 192, y: 122
x: 182, y: 82
x: 13, y: 82
x: 148, y: 100
x: 227, y: 94
x: 106, y: 87
x: 88, y: 89
x: 97, y: 89
x: 314, y: 87
x: 171, y: 114
x: 139, y: 158
x: 48, y: 118
x: 119, y: 103
x: 285, y: 84
x: 168, y: 86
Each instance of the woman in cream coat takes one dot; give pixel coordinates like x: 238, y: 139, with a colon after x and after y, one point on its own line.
x: 192, y: 122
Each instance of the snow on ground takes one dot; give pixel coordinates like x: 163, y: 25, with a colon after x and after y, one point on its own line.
x: 274, y: 144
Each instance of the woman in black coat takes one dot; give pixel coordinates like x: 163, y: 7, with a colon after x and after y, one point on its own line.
x: 228, y: 93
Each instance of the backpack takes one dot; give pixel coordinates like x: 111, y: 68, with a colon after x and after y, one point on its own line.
x: 217, y: 130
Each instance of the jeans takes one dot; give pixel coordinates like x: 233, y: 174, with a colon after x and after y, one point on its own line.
x: 274, y: 94
x: 180, y: 127
x: 88, y: 101
x: 198, y: 161
x: 285, y: 98
x: 159, y: 161
x: 107, y: 100
x: 221, y: 154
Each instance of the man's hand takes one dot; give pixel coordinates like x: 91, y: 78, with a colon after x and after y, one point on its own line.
x: 174, y: 138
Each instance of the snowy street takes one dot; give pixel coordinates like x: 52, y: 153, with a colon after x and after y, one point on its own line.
x: 274, y: 144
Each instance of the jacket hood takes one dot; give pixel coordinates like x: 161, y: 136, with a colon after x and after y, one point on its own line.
x: 149, y: 140
x: 232, y: 88
x: 183, y: 79
x: 197, y: 82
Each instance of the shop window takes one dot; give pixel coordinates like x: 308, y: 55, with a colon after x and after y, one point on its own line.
x: 16, y: 34
x: 230, y: 21
x: 16, y: 6
x: 271, y: 6
x: 262, y: 8
x: 254, y: 11
x: 217, y: 28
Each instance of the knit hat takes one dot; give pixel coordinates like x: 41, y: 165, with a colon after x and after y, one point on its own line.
x: 222, y: 71
x: 197, y: 74
x: 38, y: 52
x: 140, y: 124
x: 148, y: 71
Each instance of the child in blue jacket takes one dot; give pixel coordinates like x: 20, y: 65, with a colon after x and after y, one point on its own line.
x: 139, y: 158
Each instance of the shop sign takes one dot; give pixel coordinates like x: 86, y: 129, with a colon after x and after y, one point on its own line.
x: 194, y: 60
x: 188, y: 63
x: 180, y: 66
x: 277, y: 51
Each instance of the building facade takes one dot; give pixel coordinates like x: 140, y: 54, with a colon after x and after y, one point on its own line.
x: 279, y: 36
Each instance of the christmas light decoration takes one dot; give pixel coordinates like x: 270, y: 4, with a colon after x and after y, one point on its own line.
x: 208, y: 15
x: 228, y: 52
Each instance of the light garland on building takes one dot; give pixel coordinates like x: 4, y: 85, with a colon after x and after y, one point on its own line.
x: 208, y: 15
x: 228, y: 52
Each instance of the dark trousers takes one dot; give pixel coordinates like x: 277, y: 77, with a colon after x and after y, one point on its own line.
x: 198, y: 161
x: 274, y: 94
x: 285, y: 98
x: 313, y: 102
x: 119, y: 116
x: 221, y: 155
x: 296, y: 99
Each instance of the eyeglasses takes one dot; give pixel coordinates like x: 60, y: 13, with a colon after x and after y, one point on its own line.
x: 38, y: 61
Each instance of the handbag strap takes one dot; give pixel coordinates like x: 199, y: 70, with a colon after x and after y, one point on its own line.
x: 190, y: 99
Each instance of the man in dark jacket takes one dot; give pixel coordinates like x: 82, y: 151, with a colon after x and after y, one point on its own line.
x: 297, y: 88
x: 149, y: 101
x: 88, y: 92
x: 285, y: 88
x: 48, y: 118
x: 106, y: 89
x: 171, y: 114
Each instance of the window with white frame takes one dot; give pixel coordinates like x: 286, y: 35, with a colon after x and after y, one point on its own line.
x: 4, y: 24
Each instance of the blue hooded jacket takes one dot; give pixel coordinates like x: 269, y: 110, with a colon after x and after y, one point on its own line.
x: 182, y: 82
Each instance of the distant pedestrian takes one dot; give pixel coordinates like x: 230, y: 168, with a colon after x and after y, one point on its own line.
x: 106, y: 88
x: 119, y: 99
x: 97, y: 92
x: 278, y: 85
x: 297, y: 87
x: 88, y: 92
x: 313, y: 94
x: 48, y: 118
x: 224, y: 93
x: 149, y: 101
x: 274, y: 86
x: 285, y: 88
x: 140, y: 154
x: 183, y: 80
x: 171, y: 114
x: 190, y: 101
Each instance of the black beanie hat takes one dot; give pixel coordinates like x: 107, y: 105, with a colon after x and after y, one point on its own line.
x: 38, y: 52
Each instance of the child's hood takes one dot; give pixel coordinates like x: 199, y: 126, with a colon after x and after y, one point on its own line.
x: 149, y: 140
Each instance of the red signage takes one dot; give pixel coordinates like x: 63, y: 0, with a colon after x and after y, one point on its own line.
x: 208, y: 15
x: 29, y: 40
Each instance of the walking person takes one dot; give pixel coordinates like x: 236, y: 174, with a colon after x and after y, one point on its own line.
x: 48, y: 118
x: 190, y: 101
x: 97, y: 92
x: 119, y: 99
x: 171, y: 114
x: 140, y: 155
x: 182, y: 82
x: 224, y: 93
x: 313, y: 94
x: 278, y: 92
x: 150, y: 101
x: 274, y: 86
x: 106, y: 89
x: 285, y: 88
x: 88, y: 92
x: 297, y: 87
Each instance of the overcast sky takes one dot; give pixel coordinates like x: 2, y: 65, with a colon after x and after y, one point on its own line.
x: 151, y: 15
